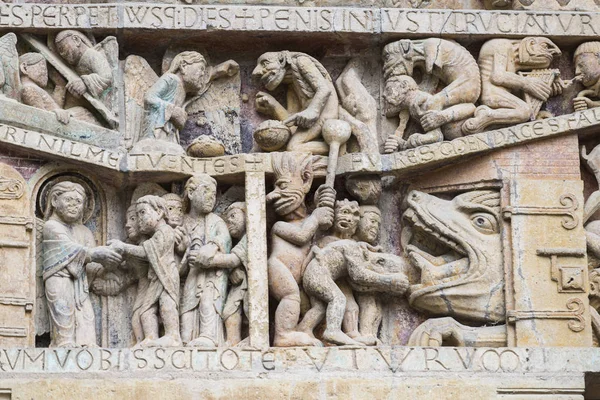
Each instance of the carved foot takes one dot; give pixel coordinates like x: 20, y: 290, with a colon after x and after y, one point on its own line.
x: 202, y: 341
x: 447, y: 331
x: 148, y: 342
x: 368, y: 340
x: 482, y: 118
x: 293, y: 338
x: 168, y: 341
x: 340, y: 338
x: 421, y: 139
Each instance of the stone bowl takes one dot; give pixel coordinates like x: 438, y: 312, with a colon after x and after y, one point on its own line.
x: 272, y: 135
x: 206, y: 146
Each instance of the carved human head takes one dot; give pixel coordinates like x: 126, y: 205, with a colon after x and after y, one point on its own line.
x: 537, y: 52
x: 191, y: 66
x: 33, y: 65
x: 71, y: 45
x: 174, y: 204
x: 150, y: 210
x: 270, y: 69
x: 399, y: 58
x: 587, y: 63
x: 131, y: 224
x: 67, y: 201
x: 293, y: 179
x: 395, y: 93
x: 235, y: 218
x: 200, y: 193
x: 369, y: 224
x: 347, y: 214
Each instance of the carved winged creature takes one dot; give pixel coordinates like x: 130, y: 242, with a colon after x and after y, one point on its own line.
x: 9, y: 73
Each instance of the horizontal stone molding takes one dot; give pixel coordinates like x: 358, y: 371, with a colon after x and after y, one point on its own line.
x: 353, y: 20
x: 347, y: 360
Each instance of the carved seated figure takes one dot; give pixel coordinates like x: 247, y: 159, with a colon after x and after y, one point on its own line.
x: 587, y: 70
x: 457, y: 247
x: 34, y: 80
x: 311, y: 99
x: 162, y: 294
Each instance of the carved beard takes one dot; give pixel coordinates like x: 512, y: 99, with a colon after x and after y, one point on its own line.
x: 273, y: 78
x: 289, y: 201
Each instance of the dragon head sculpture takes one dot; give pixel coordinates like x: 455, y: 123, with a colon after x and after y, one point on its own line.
x: 456, y: 245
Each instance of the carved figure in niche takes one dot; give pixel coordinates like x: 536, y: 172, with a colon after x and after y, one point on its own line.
x: 90, y: 62
x: 237, y: 299
x: 311, y: 97
x: 439, y: 60
x: 165, y: 101
x: 587, y: 70
x: 457, y: 247
x: 291, y: 239
x: 357, y: 261
x: 358, y: 107
x: 9, y: 67
x: 174, y: 204
x: 502, y: 62
x: 68, y: 250
x: 201, y: 239
x: 34, y: 80
x: 162, y: 294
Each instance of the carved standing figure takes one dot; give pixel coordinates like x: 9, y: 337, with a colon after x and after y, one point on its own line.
x: 311, y: 98
x: 188, y: 75
x: 162, y: 295
x: 201, y: 239
x: 68, y: 248
x: 291, y: 238
x: 587, y: 70
x: 501, y: 62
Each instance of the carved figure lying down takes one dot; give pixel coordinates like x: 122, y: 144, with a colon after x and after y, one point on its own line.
x: 362, y: 266
x: 456, y: 244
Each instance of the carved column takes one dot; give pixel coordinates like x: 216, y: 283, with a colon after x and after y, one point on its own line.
x: 258, y: 289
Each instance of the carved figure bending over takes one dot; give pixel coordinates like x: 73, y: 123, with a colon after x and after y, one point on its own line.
x: 68, y: 249
x: 501, y: 62
x: 355, y: 260
x: 587, y: 70
x: 443, y: 61
x: 165, y: 101
x: 291, y: 239
x: 34, y: 81
x: 201, y: 241
x: 162, y: 294
x: 457, y: 247
x: 311, y: 97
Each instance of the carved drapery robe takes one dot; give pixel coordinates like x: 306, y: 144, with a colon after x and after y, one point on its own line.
x: 205, y: 289
x: 168, y: 92
x: 65, y: 257
x: 239, y: 293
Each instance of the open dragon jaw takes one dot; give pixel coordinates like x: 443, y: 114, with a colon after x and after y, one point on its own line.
x: 300, y: 199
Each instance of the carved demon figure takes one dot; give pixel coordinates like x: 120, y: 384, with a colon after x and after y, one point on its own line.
x: 587, y: 70
x: 457, y: 247
x: 311, y: 97
x: 502, y: 62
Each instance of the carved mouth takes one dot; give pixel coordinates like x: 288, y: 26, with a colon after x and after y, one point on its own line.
x: 427, y: 238
x: 269, y: 80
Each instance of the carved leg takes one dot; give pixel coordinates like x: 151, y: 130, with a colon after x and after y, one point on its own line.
x: 188, y: 325
x: 447, y: 331
x: 136, y: 326
x: 233, y: 328
x: 170, y: 318
x: 335, y: 314
x: 514, y: 111
x: 350, y: 321
x: 303, y: 140
x: 85, y: 328
x: 60, y: 295
x: 312, y: 317
x: 284, y: 288
x: 150, y: 325
x: 369, y: 318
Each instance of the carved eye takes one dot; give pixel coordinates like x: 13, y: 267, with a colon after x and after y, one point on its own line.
x: 484, y: 223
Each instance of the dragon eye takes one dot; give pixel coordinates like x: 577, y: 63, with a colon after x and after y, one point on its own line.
x: 484, y: 223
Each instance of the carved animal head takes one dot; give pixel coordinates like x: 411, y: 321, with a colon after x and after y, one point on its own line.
x: 537, y: 52
x: 399, y: 58
x: 456, y: 244
x: 270, y: 69
x: 587, y: 63
x: 293, y: 178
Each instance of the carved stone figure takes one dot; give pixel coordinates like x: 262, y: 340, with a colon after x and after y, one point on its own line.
x: 439, y: 60
x: 587, y: 70
x: 9, y: 67
x: 174, y: 204
x: 201, y: 238
x: 311, y: 99
x: 502, y: 63
x: 362, y: 266
x: 165, y: 102
x: 291, y: 239
x: 465, y: 282
x: 68, y: 250
x: 34, y: 80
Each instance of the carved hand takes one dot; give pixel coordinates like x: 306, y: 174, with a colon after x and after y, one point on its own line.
x: 237, y: 276
x: 325, y: 196
x: 203, y: 257
x: 393, y: 144
x: 106, y: 287
x: 106, y: 256
x: 231, y: 67
x: 433, y: 119
x: 56, y: 77
x: 76, y: 87
x: 324, y: 217
x: 116, y: 245
x: 537, y: 88
x: 303, y: 119
x: 63, y: 116
x: 266, y: 104
x: 178, y: 117
x: 182, y: 241
x: 582, y: 103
